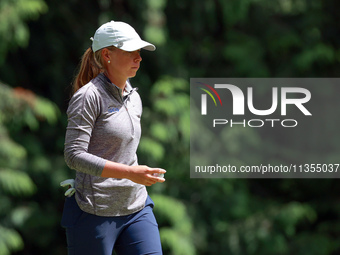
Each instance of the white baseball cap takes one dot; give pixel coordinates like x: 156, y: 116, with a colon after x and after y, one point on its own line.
x: 120, y: 35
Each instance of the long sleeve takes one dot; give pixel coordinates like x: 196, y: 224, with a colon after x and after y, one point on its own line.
x: 83, y: 110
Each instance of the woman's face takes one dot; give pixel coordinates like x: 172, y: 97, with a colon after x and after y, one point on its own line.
x: 123, y: 63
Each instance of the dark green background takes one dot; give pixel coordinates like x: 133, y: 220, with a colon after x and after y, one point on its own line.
x: 41, y: 43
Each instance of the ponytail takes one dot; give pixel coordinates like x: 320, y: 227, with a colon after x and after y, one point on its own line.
x: 90, y: 67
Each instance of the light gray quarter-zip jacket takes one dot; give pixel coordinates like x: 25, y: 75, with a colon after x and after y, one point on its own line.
x: 104, y: 125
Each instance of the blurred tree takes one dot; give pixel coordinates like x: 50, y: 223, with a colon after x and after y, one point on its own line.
x: 14, y: 15
x: 19, y: 108
x: 176, y: 229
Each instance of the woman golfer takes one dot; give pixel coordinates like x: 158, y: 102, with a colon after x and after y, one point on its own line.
x: 111, y: 209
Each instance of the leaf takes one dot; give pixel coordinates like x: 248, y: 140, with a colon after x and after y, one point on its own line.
x: 10, y: 240
x: 173, y: 211
x: 178, y: 244
x: 16, y: 182
x: 178, y: 237
x: 20, y: 214
x: 13, y: 15
x: 11, y: 154
x: 152, y: 148
x: 46, y: 109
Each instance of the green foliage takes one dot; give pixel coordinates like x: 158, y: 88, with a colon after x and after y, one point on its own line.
x: 16, y: 182
x: 11, y: 153
x: 10, y: 241
x: 277, y: 225
x: 18, y: 108
x: 177, y: 238
x: 13, y: 17
x: 167, y: 121
x: 154, y: 30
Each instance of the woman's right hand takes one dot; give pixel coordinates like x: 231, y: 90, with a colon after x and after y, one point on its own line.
x: 144, y: 175
x: 139, y: 174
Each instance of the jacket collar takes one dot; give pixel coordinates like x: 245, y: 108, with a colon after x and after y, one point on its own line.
x: 113, y: 89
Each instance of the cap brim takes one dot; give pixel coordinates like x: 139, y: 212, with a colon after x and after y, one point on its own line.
x: 133, y: 45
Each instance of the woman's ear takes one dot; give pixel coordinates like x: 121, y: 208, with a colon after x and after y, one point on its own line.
x: 105, y: 54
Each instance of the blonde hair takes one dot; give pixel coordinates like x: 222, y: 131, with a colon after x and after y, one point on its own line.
x: 90, y: 66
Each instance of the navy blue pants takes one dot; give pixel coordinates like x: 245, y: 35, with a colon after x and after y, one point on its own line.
x: 88, y: 234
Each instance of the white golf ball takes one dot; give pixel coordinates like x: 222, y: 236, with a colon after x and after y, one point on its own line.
x: 158, y: 175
